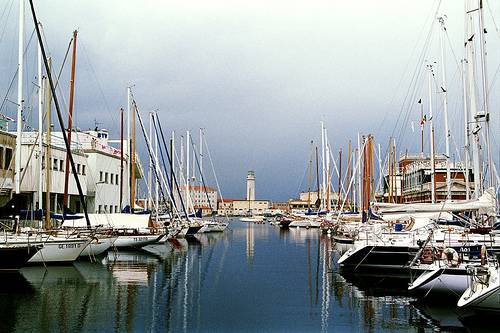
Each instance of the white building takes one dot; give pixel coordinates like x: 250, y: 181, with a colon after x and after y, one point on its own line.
x: 98, y: 166
x: 204, y: 198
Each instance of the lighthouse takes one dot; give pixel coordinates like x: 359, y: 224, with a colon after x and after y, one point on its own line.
x: 251, y: 186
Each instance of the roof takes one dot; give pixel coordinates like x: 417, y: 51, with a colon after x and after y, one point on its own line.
x: 200, y: 188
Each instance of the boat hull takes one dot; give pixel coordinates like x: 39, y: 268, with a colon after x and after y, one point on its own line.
x: 98, y: 246
x: 135, y: 241
x: 59, y: 251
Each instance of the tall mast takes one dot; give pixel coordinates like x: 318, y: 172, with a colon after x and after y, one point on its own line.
x: 172, y: 159
x: 422, y: 123
x: 48, y: 101
x: 476, y: 148
x: 466, y: 130
x: 157, y: 184
x: 348, y: 174
x: 20, y: 101
x: 484, y: 72
x: 309, y: 180
x: 188, y: 198
x: 327, y: 152
x: 359, y: 174
x: 70, y: 122
x: 129, y: 144
x: 121, y: 159
x: 433, y: 166
x: 340, y: 180
x: 40, y: 126
x: 317, y: 176
x: 132, y: 162
x: 445, y: 109
x: 323, y: 190
x: 150, y: 171
x: 201, y: 154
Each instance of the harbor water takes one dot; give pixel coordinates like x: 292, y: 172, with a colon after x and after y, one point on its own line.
x: 251, y: 278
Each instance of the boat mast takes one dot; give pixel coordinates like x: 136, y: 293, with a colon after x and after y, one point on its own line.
x: 48, y: 143
x: 129, y: 145
x: 317, y: 180
x: 323, y: 190
x: 486, y: 113
x: 121, y: 159
x: 339, y: 197
x: 188, y: 199
x: 433, y: 166
x: 150, y: 171
x: 422, y: 123
x: 445, y: 109
x: 172, y: 160
x: 40, y: 125
x: 466, y: 130
x: 327, y: 148
x: 359, y: 175
x: 20, y: 101
x: 132, y: 162
x: 309, y: 181
x: 201, y: 154
x: 348, y: 174
x: 70, y: 123
x: 476, y: 148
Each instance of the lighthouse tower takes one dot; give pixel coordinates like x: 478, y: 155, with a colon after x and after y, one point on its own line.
x: 251, y: 186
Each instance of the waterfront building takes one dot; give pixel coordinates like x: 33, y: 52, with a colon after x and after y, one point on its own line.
x: 412, y: 180
x: 97, y: 164
x: 204, y: 198
x: 254, y: 207
x: 308, y: 200
x: 225, y: 207
x: 7, y: 147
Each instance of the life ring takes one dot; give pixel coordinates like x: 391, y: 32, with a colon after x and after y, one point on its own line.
x: 323, y: 224
x: 450, y: 257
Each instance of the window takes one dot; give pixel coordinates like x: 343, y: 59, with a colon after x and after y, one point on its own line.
x: 100, y: 209
x: 106, y: 177
x: 116, y: 182
x: 100, y: 176
x: 78, y: 168
x: 105, y: 208
x: 8, y: 158
x: 54, y: 166
x: 1, y: 158
x: 111, y: 178
x: 116, y: 209
x: 83, y: 169
x: 61, y: 165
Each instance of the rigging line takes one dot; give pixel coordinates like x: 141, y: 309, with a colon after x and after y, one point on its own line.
x: 493, y: 18
x: 201, y: 174
x: 215, y: 176
x: 6, y: 19
x: 15, y: 73
x: 413, y: 83
x: 149, y: 149
x: 114, y: 120
x: 170, y: 162
x: 430, y: 16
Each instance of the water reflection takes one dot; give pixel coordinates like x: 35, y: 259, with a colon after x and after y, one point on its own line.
x: 208, y: 284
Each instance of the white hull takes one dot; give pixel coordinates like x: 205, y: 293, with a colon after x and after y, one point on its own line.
x: 98, y: 246
x: 59, y: 251
x: 255, y: 219
x: 305, y: 224
x: 213, y: 227
x: 483, y: 296
x: 442, y: 280
x: 136, y: 240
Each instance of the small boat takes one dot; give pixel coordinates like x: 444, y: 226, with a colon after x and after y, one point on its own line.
x: 132, y: 238
x: 254, y: 219
x: 484, y: 291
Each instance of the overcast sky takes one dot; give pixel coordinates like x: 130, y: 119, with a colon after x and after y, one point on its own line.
x: 259, y: 76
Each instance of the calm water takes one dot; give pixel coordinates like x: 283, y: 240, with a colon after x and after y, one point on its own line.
x: 250, y: 278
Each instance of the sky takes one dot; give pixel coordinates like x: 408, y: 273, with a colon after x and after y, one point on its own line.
x: 258, y: 76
